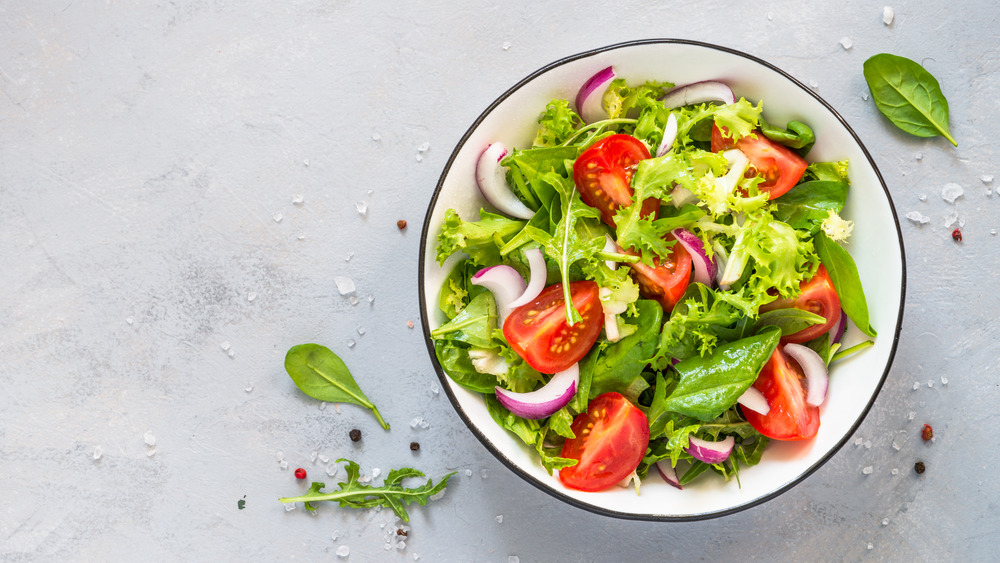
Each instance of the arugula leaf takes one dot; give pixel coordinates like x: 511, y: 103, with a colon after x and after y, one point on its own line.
x: 322, y: 375
x: 481, y: 240
x: 708, y: 386
x: 908, y: 95
x: 810, y: 203
x: 392, y: 494
x: 846, y: 280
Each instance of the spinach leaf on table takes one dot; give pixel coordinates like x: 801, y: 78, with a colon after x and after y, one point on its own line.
x: 322, y: 375
x: 908, y: 95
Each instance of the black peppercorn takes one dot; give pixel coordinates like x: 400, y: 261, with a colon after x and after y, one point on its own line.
x: 919, y: 467
x: 355, y: 435
x: 414, y: 446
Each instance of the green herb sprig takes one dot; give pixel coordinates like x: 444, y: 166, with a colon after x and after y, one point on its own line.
x: 355, y: 494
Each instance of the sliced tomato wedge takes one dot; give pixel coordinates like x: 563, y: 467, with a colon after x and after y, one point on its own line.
x: 603, y: 174
x: 539, y: 333
x: 611, y: 438
x: 817, y: 296
x: 783, y: 385
x: 667, y: 280
x: 779, y: 165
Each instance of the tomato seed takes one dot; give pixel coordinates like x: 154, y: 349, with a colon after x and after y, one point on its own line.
x: 300, y: 473
x: 927, y: 433
x: 957, y: 235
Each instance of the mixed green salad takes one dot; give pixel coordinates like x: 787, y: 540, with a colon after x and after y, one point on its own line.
x: 686, y: 291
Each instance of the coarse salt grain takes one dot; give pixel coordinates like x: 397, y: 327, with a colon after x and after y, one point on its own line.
x: 361, y: 330
x: 513, y: 559
x: 249, y: 387
x: 506, y: 45
x: 290, y: 507
x: 343, y: 551
x: 351, y: 343
x: 277, y: 217
x: 499, y: 518
x: 283, y: 464
x: 353, y: 300
x: 376, y: 137
x: 344, y: 284
x: 887, y: 16
x: 98, y: 452
x: 918, y: 217
x: 868, y: 444
x: 885, y: 521
x: 986, y: 178
x: 468, y: 473
x: 951, y: 191
x: 846, y: 43
x: 867, y: 470
x: 362, y: 208
x: 148, y: 438
x: 916, y: 385
x: 944, y: 380
x: 298, y: 199
x: 859, y: 441
x: 895, y: 471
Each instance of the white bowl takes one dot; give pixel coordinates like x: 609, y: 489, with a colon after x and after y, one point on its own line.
x: 876, y: 246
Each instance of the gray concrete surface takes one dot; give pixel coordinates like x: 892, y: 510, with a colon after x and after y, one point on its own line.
x: 178, y: 189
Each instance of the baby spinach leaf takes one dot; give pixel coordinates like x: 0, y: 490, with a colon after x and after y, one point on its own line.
x: 710, y: 385
x: 392, y: 494
x: 908, y: 95
x: 846, y: 280
x: 796, y: 135
x: 455, y: 361
x: 473, y: 325
x: 810, y: 203
x: 619, y: 366
x: 790, y: 320
x: 322, y: 375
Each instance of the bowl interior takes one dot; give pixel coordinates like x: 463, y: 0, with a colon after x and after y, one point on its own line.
x: 876, y: 246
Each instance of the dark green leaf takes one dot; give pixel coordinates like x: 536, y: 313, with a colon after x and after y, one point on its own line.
x: 846, y: 280
x: 455, y: 361
x: 322, y: 375
x: 619, y: 366
x: 789, y: 320
x: 796, y: 135
x: 392, y: 494
x: 710, y: 385
x: 474, y: 325
x: 908, y: 95
x: 806, y: 206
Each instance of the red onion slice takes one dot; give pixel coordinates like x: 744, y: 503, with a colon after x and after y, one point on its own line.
x: 669, y: 135
x: 838, y: 329
x: 542, y: 402
x: 710, y: 452
x: 590, y: 98
x: 668, y: 473
x: 539, y: 273
x: 492, y: 182
x: 754, y: 400
x: 505, y: 284
x: 814, y: 368
x: 704, y: 267
x: 699, y: 92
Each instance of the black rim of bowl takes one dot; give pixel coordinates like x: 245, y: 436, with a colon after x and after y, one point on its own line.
x: 425, y: 236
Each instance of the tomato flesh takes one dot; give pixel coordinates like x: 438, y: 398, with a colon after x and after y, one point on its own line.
x: 780, y: 167
x: 539, y: 333
x: 667, y: 280
x: 817, y: 296
x: 611, y: 438
x: 783, y: 385
x: 603, y: 174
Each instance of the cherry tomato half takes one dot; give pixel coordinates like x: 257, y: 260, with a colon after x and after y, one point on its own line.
x: 603, y: 174
x: 667, y: 281
x: 780, y: 167
x: 818, y: 296
x: 611, y: 438
x: 783, y: 385
x: 539, y: 333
